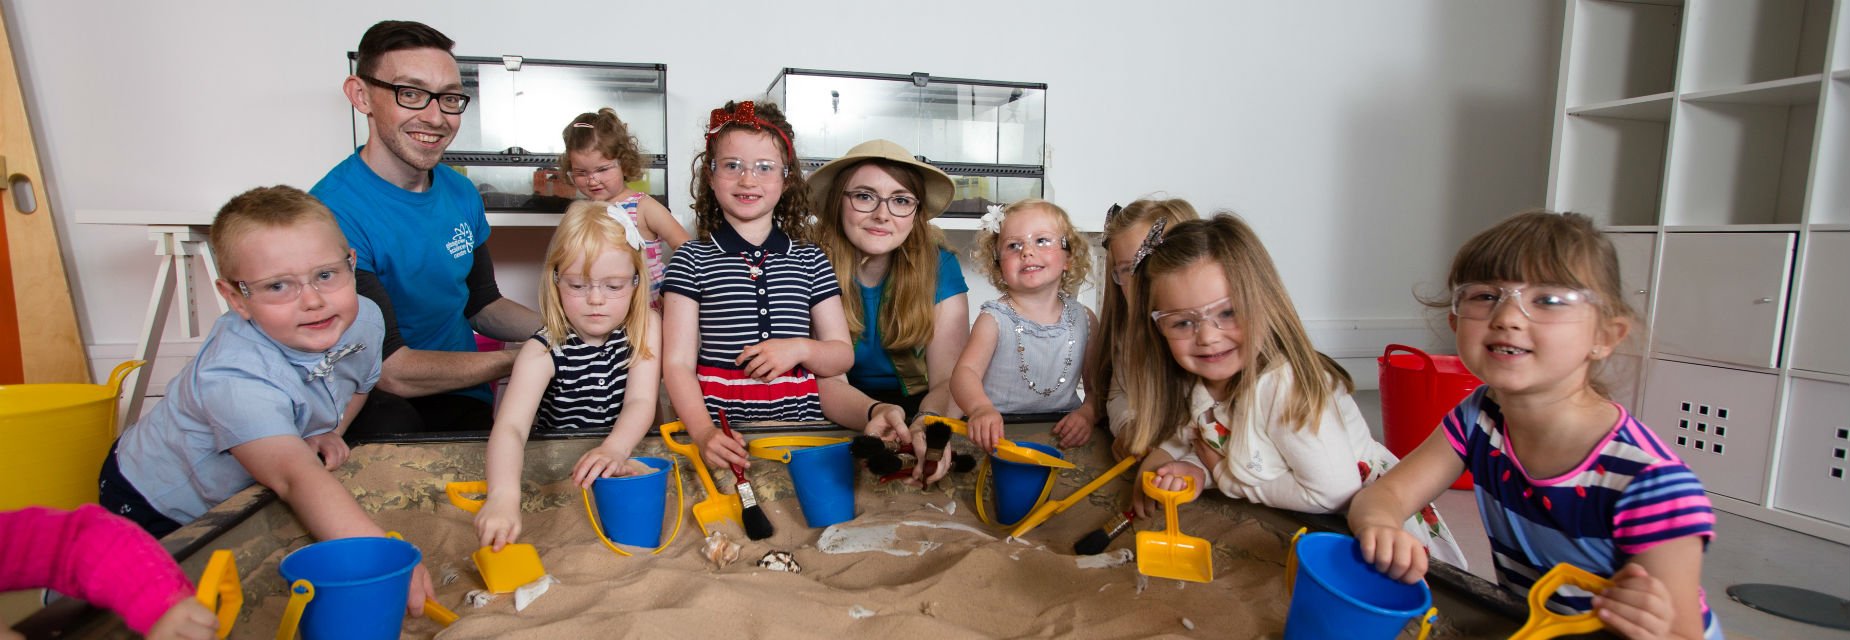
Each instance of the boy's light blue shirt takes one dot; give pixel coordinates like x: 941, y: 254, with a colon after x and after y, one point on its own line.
x: 243, y: 386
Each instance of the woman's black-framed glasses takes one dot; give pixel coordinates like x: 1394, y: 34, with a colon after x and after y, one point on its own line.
x: 414, y: 98
x: 900, y: 205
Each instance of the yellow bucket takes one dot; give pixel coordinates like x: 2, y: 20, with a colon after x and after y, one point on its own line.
x: 56, y: 436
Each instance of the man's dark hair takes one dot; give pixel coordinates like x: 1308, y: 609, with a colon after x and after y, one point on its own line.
x: 396, y: 35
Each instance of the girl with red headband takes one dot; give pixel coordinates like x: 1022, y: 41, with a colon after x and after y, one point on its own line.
x: 751, y: 308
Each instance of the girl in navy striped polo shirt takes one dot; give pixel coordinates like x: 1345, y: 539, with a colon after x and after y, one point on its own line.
x: 753, y: 309
x: 597, y: 348
x: 1563, y: 474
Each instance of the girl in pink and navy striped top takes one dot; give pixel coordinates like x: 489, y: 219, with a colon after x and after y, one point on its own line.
x: 1563, y: 474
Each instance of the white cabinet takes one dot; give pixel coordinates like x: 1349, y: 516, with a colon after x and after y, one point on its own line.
x: 1723, y: 296
x: 1824, y: 307
x: 1719, y: 132
x: 1719, y: 421
x: 1814, y: 477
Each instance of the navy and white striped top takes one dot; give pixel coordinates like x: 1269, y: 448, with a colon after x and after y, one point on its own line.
x: 588, y: 382
x: 738, y: 310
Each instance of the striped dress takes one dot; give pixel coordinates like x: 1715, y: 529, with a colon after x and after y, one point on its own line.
x: 588, y: 382
x: 1630, y: 494
x: 749, y: 294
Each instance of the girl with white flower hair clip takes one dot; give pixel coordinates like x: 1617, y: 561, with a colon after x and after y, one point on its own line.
x: 1027, y: 350
x: 598, y: 348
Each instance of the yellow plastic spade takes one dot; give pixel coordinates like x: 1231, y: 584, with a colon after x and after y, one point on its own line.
x: 505, y: 570
x: 220, y: 591
x: 1005, y: 448
x: 1048, y: 509
x: 717, y: 507
x: 1545, y: 624
x: 1169, y: 553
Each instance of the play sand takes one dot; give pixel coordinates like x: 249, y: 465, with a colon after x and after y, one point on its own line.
x: 911, y: 564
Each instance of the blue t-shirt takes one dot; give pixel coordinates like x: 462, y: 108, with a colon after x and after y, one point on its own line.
x: 421, y: 245
x: 243, y: 386
x: 873, y: 368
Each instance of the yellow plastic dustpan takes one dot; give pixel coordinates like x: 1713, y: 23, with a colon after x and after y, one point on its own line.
x: 220, y: 591
x: 717, y: 507
x: 1169, y: 553
x: 1005, y: 448
x: 1048, y: 509
x: 506, y: 570
x: 1545, y: 624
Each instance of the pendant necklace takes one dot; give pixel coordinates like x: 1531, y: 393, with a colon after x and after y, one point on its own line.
x: 755, y: 269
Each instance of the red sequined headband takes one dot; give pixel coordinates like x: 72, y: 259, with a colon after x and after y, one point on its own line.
x: 746, y: 114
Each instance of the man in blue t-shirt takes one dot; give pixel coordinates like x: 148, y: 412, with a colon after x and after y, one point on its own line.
x: 419, y: 231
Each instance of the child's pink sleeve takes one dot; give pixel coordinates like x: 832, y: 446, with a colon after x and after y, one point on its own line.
x: 92, y: 555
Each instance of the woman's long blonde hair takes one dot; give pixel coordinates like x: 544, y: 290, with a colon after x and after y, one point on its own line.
x: 586, y: 231
x: 907, y: 312
x: 1112, y: 311
x: 1159, y: 389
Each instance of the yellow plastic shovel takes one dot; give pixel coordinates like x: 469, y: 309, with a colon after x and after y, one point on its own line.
x: 1048, y: 509
x: 1169, y: 553
x: 1544, y: 624
x: 717, y: 507
x: 1005, y: 448
x: 220, y: 591
x: 502, y: 571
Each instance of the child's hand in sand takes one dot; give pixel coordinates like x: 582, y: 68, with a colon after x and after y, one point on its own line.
x: 1393, y: 551
x: 1075, y: 430
x: 1637, y: 605
x: 498, y: 522
x: 1170, y: 477
x: 606, y: 461
x: 421, y: 590
x: 185, y: 620
x: 985, y: 428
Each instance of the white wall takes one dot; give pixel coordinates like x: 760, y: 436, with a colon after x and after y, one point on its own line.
x: 1364, y: 140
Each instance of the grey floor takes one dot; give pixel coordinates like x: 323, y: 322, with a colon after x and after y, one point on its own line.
x: 1744, y: 551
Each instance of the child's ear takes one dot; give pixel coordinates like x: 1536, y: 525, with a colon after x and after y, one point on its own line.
x: 1611, y: 334
x: 233, y: 298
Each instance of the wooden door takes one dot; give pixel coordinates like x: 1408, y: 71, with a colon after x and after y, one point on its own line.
x: 39, y: 340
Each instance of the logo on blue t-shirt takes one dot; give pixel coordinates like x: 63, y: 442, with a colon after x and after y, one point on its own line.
x: 462, y: 243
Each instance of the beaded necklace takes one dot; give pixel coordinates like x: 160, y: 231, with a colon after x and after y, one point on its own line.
x: 1021, y: 357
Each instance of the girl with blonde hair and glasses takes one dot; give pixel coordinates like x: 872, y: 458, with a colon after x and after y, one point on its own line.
x: 593, y: 365
x: 1233, y: 394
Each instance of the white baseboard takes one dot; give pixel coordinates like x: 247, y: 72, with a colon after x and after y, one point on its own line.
x: 1353, y: 343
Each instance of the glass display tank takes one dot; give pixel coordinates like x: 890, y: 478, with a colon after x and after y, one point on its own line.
x: 990, y: 136
x: 509, y: 141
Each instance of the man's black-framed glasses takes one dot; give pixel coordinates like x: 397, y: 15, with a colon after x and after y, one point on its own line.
x: 414, y: 98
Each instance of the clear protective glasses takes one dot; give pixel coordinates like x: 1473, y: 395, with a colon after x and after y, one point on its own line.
x: 415, y: 98
x: 735, y: 168
x: 1543, y: 303
x: 578, y: 287
x: 1185, y: 324
x: 1017, y: 246
x: 1123, y: 273
x: 286, y: 289
x: 580, y: 174
x: 901, y: 205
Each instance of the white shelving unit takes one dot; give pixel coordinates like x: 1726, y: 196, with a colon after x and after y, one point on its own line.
x: 1712, y: 139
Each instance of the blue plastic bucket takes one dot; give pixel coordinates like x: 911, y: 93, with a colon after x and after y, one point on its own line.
x: 630, y: 508
x: 1337, y: 595
x: 824, y: 481
x: 359, y: 585
x: 1020, y: 487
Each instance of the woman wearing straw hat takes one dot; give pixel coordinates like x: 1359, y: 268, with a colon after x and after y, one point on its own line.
x: 904, y: 293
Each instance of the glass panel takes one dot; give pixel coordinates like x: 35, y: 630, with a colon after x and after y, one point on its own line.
x: 536, y: 189
x: 975, y: 193
x: 943, y: 121
x: 529, y: 108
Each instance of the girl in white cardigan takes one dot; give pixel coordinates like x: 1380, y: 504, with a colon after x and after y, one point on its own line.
x: 1243, y: 401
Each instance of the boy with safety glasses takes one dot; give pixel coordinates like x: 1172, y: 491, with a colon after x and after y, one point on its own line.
x: 275, y: 384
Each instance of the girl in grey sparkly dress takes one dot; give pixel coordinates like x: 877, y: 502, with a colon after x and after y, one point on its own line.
x: 1026, y: 351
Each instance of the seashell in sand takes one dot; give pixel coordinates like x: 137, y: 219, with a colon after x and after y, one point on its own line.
x: 780, y: 561
x: 721, y: 550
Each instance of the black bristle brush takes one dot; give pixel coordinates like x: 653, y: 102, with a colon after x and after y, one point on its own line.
x: 881, y: 460
x: 1095, y: 542
x: 757, y: 526
x: 937, y: 435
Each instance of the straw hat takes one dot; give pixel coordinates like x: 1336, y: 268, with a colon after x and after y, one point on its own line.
x: 938, y: 188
